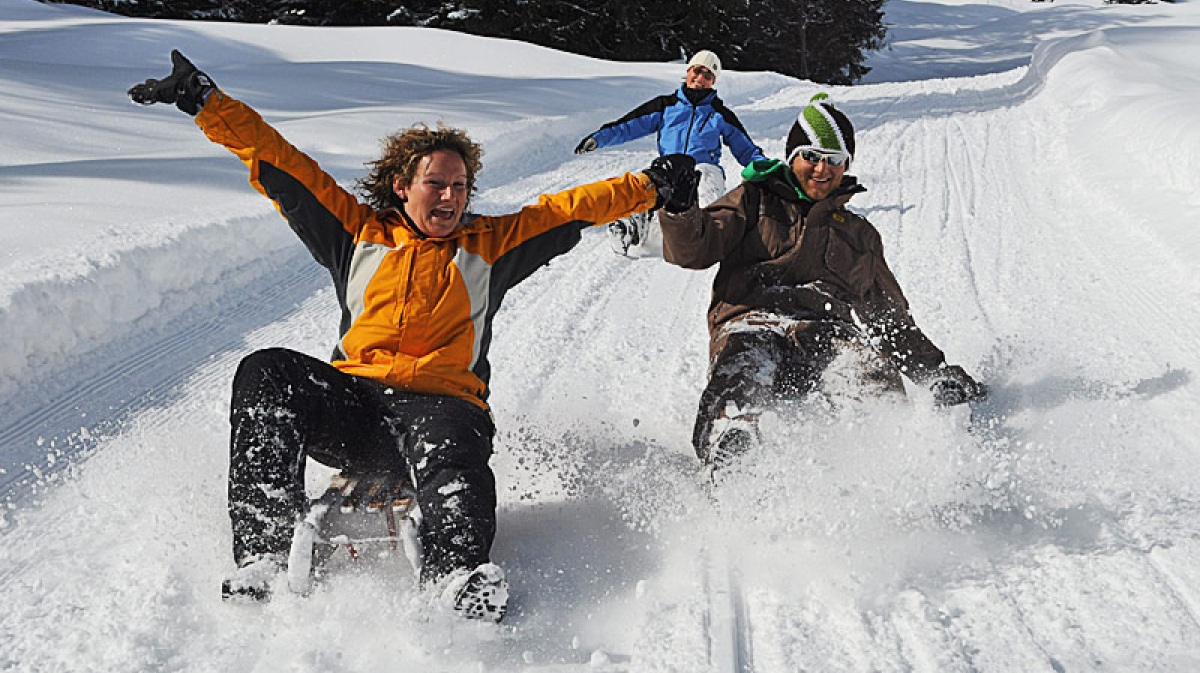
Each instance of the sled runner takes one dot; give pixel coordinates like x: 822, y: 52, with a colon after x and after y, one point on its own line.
x: 357, y: 513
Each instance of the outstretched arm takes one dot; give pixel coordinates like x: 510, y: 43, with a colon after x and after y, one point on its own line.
x: 743, y: 149
x: 908, y: 346
x: 669, y: 183
x: 737, y: 139
x: 641, y: 121
x: 322, y: 214
x: 583, y: 206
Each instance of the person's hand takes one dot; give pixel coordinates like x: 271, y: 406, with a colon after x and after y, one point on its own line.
x: 676, y: 179
x: 953, y: 385
x: 186, y: 87
x: 586, y: 145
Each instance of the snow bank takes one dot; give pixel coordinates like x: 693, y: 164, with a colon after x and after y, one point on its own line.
x: 51, y: 323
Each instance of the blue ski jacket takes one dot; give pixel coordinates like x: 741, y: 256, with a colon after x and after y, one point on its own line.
x: 683, y: 128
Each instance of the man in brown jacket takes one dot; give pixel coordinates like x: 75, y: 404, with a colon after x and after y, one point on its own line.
x: 801, y: 281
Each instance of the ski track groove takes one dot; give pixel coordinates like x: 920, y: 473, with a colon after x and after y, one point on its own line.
x: 1153, y: 296
x: 1024, y: 622
x: 79, y: 414
x: 730, y: 631
x: 916, y: 640
x: 1017, y: 617
x: 1181, y: 590
x: 745, y: 627
x: 967, y: 223
x: 1067, y: 581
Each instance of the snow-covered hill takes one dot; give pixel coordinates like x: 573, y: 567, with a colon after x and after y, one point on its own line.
x: 1031, y: 166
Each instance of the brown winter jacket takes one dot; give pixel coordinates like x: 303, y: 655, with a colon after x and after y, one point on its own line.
x: 799, y: 260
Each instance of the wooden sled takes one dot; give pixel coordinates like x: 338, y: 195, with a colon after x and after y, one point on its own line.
x: 357, y: 513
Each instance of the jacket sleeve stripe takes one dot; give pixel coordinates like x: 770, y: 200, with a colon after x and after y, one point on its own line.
x: 229, y: 122
x: 638, y: 122
x: 321, y: 231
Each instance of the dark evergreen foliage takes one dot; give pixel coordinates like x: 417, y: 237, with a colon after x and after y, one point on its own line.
x: 821, y: 40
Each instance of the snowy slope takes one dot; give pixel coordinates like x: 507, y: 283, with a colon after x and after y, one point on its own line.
x: 1031, y: 166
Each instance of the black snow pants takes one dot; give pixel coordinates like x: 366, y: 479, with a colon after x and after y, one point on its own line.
x: 760, y: 360
x: 288, y: 406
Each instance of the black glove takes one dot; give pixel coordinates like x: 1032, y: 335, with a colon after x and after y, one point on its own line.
x: 952, y: 385
x: 186, y: 87
x: 676, y: 179
x: 586, y: 145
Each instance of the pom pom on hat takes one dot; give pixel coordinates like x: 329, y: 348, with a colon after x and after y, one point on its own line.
x: 820, y: 126
x: 707, y: 59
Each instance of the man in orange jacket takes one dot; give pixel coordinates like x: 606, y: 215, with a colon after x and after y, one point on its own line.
x: 419, y: 279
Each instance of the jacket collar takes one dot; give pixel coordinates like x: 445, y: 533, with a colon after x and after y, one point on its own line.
x: 710, y: 99
x: 469, y: 224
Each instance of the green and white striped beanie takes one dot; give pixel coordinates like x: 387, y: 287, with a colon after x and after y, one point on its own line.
x: 820, y: 126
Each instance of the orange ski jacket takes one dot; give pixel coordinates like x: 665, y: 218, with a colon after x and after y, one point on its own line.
x: 416, y: 311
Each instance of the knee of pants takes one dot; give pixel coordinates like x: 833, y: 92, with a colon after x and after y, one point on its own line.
x: 455, y: 463
x: 273, y: 386
x: 468, y: 491
x: 442, y: 482
x: 743, y: 379
x: 264, y: 365
x: 456, y: 449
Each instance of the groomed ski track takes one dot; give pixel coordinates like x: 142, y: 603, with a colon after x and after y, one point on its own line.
x: 1057, y: 530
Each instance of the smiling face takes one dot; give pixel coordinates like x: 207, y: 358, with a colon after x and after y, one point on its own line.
x: 818, y: 180
x: 699, y: 77
x: 437, y: 196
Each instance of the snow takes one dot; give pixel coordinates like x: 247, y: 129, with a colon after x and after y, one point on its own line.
x: 1032, y: 168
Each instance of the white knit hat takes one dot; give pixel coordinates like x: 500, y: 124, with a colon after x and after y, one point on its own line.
x: 707, y: 59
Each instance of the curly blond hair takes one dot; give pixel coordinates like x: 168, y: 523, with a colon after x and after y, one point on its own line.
x: 401, y: 153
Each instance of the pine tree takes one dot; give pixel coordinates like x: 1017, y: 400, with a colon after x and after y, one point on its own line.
x: 820, y: 40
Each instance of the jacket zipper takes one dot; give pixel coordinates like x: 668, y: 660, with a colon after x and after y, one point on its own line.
x: 687, y: 139
x: 410, y: 250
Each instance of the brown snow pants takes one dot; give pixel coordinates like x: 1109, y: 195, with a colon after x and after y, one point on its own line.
x: 761, y: 359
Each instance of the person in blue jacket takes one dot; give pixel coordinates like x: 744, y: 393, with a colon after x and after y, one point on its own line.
x: 694, y: 121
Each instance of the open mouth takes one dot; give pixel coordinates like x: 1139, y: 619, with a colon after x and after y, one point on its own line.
x: 442, y: 214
